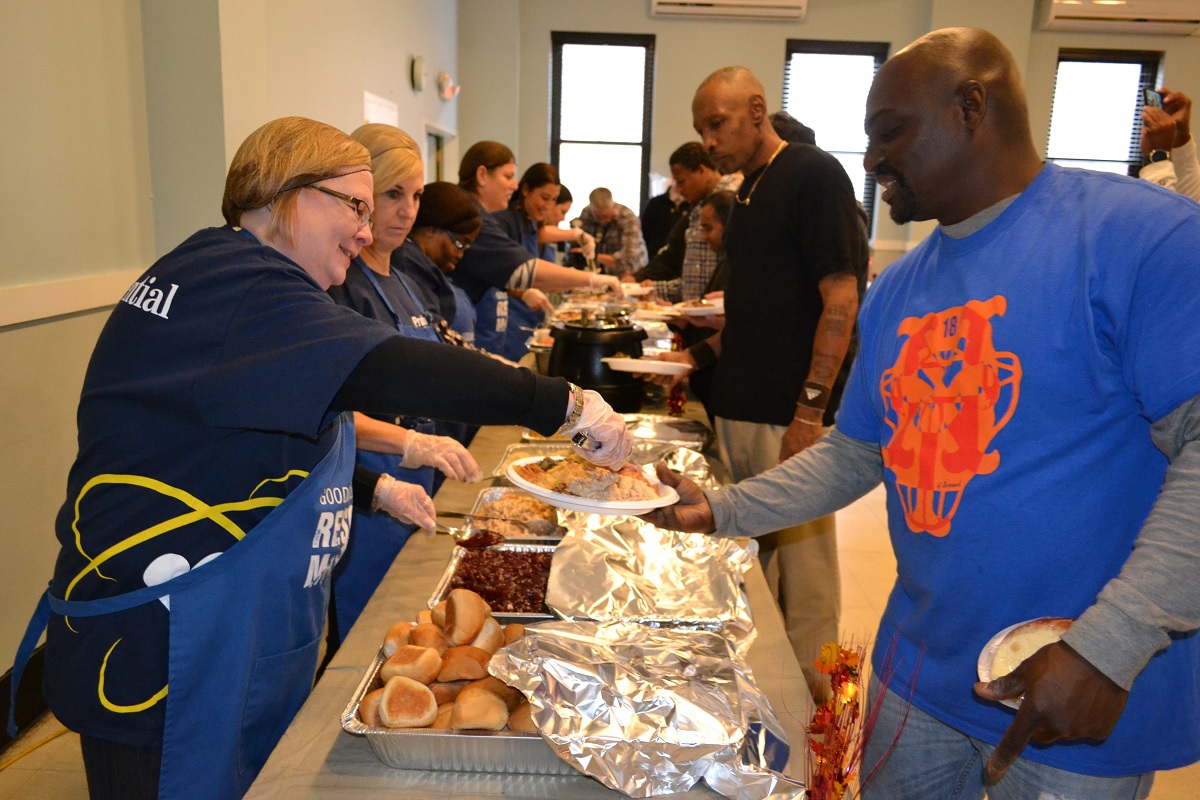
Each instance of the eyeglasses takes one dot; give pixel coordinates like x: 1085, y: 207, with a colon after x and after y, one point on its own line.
x: 462, y: 248
x: 361, y: 209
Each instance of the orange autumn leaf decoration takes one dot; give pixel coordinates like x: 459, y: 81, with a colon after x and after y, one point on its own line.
x: 840, y: 727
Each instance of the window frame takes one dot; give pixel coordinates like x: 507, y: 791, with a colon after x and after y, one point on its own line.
x: 880, y: 52
x: 644, y: 40
x: 1151, y: 68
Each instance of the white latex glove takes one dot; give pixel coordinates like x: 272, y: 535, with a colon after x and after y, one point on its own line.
x: 587, y: 245
x: 406, y: 502
x: 607, y: 283
x: 442, y: 453
x: 537, y: 300
x: 609, y: 444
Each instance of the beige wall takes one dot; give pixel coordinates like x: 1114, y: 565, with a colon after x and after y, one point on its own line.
x: 688, y: 50
x: 121, y: 118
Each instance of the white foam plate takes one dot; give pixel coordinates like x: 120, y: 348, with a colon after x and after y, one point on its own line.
x: 666, y: 495
x: 636, y: 289
x: 988, y: 654
x: 645, y: 365
x: 711, y: 308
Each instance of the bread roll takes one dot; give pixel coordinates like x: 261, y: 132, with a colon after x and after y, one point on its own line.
x: 437, y: 614
x: 521, y: 719
x: 397, y: 637
x: 491, y: 636
x: 478, y: 709
x: 447, y: 691
x: 511, y: 697
x: 368, y: 708
x: 429, y: 635
x: 512, y: 632
x: 407, y: 704
x: 465, y: 613
x: 422, y: 664
x: 443, y: 717
x: 424, y: 615
x: 464, y: 662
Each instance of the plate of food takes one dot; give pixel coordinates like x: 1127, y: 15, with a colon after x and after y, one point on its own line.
x: 636, y: 289
x: 646, y: 365
x: 573, y: 483
x: 701, y: 307
x: 1005, y: 651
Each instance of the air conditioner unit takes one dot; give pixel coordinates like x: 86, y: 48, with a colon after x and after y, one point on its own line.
x: 792, y: 10
x: 1146, y: 17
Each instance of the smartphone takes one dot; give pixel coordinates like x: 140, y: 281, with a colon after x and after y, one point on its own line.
x: 1151, y: 98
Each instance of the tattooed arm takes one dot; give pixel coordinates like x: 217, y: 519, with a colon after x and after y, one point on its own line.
x: 839, y: 294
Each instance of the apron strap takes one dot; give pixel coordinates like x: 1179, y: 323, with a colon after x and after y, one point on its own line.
x: 33, y: 632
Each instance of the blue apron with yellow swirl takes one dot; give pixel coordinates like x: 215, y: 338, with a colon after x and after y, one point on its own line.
x: 245, y: 633
x: 378, y: 537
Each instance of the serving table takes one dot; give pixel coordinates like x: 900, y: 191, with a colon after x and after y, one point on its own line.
x: 317, y: 759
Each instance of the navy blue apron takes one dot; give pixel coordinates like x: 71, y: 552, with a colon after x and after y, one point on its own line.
x: 464, y: 315
x: 491, y: 321
x: 245, y: 632
x: 378, y: 536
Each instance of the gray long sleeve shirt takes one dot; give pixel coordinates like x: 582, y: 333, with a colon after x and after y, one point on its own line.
x: 1154, y: 595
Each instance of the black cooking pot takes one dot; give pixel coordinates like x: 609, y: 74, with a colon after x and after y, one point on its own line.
x: 580, y: 344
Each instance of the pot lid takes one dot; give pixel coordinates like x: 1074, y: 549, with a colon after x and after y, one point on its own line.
x: 606, y: 320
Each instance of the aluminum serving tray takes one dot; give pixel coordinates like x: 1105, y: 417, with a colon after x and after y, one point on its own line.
x: 463, y: 751
x: 516, y: 451
x: 679, y: 431
x: 443, y: 587
x: 496, y: 492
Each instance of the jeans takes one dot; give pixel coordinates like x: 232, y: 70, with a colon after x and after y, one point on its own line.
x: 932, y: 761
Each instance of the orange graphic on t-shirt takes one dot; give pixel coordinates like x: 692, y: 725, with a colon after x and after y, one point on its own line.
x: 942, y: 396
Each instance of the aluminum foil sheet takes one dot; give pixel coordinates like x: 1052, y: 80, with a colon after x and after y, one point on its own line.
x: 622, y: 568
x: 686, y: 461
x: 650, y: 711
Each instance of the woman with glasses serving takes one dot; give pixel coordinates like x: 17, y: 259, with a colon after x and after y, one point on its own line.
x: 211, y: 496
x: 496, y: 264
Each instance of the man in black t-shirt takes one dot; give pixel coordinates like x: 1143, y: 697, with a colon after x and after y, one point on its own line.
x: 797, y: 268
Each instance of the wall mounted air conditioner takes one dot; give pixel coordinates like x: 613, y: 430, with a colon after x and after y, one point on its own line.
x: 1146, y: 17
x: 791, y: 10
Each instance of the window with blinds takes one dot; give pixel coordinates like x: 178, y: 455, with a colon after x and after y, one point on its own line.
x: 1096, y: 117
x: 825, y: 86
x: 601, y: 101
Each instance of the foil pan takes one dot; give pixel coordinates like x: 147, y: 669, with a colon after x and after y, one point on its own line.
x: 461, y: 751
x: 443, y: 587
x: 654, y: 428
x: 678, y: 431
x: 623, y: 568
x: 515, y: 452
x: 649, y: 711
x: 686, y: 461
x: 491, y: 495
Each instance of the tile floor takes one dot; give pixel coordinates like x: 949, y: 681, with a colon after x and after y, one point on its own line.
x: 55, y: 771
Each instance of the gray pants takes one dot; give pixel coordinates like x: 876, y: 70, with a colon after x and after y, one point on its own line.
x: 800, y: 562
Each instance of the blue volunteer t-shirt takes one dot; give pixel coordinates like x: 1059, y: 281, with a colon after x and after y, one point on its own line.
x: 205, y: 402
x: 1011, y: 378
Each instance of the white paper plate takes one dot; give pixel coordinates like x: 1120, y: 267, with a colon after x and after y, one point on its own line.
x: 988, y: 654
x: 712, y: 308
x: 666, y: 495
x: 646, y: 365
x: 635, y: 289
x: 647, y: 315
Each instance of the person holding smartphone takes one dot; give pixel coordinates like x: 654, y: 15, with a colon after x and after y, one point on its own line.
x: 1167, y: 143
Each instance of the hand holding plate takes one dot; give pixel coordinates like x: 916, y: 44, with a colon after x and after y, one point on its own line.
x: 691, y: 514
x: 1065, y: 697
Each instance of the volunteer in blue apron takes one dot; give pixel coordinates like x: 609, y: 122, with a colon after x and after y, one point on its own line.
x: 403, y: 447
x: 552, y: 237
x: 495, y: 263
x: 446, y: 226
x: 212, y: 494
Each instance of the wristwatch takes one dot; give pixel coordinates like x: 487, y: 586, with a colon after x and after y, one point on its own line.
x: 1159, y: 155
